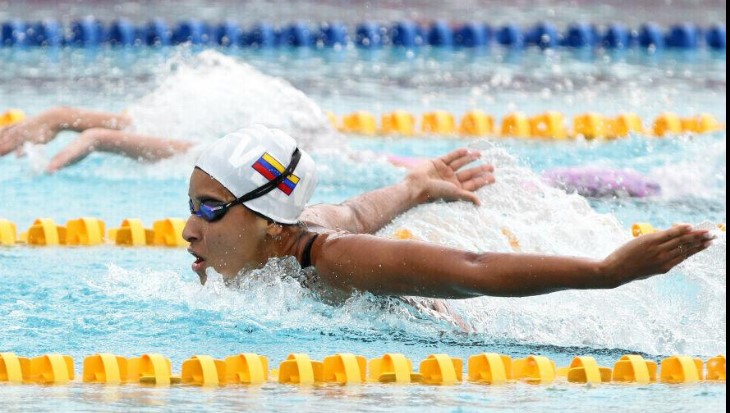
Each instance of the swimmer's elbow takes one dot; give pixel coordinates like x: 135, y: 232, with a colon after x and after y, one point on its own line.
x: 492, y: 274
x: 471, y: 277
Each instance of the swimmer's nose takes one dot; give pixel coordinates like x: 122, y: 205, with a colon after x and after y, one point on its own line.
x: 191, y: 232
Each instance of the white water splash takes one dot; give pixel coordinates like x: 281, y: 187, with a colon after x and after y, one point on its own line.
x: 701, y: 172
x: 681, y: 312
x: 270, y: 299
x: 208, y: 95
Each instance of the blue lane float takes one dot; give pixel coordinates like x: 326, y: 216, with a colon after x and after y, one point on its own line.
x: 333, y: 35
x: 440, y: 34
x: 297, y: 35
x: 581, y: 35
x: 191, y: 31
x: 157, y: 33
x: 122, y: 33
x: 651, y: 36
x: 716, y: 37
x: 228, y: 33
x: 262, y: 35
x: 473, y: 34
x: 544, y: 35
x: 406, y: 34
x: 369, y: 35
x: 683, y: 36
x: 617, y: 36
x: 14, y: 33
x: 511, y: 36
x: 46, y: 33
x: 87, y: 32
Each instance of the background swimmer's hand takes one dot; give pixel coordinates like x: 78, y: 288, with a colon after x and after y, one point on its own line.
x: 440, y: 178
x: 653, y: 254
x: 38, y: 130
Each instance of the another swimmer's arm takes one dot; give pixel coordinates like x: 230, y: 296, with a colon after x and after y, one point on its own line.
x: 392, y: 267
x: 131, y: 145
x: 44, y: 127
x: 431, y: 180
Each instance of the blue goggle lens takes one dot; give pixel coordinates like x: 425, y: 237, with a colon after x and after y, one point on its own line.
x: 209, y: 213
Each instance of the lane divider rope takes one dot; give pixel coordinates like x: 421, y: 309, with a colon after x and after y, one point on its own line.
x: 91, y: 32
x: 350, y: 369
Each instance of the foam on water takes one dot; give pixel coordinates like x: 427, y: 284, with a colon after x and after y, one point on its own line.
x: 696, y: 169
x: 269, y: 299
x: 204, y: 96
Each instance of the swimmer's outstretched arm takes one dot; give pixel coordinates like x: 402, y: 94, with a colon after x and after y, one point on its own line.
x: 44, y: 127
x: 391, y: 267
x: 132, y: 145
x: 431, y: 180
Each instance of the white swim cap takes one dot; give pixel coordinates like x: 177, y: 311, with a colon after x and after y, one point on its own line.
x: 246, y: 160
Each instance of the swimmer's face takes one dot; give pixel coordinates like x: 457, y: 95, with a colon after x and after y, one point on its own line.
x: 234, y: 242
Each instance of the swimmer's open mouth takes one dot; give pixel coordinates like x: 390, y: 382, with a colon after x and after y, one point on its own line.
x: 198, y: 263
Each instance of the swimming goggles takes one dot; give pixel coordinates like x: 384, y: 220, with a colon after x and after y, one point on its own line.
x: 213, y: 211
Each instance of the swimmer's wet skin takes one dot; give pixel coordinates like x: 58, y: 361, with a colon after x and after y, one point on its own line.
x: 347, y: 257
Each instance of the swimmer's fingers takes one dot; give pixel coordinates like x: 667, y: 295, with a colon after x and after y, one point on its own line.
x: 687, y: 238
x: 454, y: 156
x: 459, y: 158
x: 465, y: 195
x: 681, y: 254
x: 474, y: 178
x: 670, y: 234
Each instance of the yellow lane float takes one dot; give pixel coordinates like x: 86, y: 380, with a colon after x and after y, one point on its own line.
x: 105, y: 368
x: 490, y: 368
x: 392, y: 368
x: 585, y: 369
x: 8, y: 233
x: 441, y: 369
x: 633, y: 368
x: 203, y: 370
x: 344, y: 368
x: 11, y: 116
x: 247, y: 368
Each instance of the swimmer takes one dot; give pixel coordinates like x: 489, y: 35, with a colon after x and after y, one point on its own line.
x: 248, y: 203
x: 99, y: 132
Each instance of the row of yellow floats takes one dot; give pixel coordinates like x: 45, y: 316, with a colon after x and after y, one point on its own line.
x: 547, y: 125
x: 165, y: 232
x: 92, y: 231
x: 347, y: 368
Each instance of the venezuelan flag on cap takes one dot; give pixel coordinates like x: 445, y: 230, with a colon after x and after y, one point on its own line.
x: 270, y: 168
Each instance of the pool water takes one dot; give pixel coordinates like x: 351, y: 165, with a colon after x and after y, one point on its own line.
x: 130, y: 301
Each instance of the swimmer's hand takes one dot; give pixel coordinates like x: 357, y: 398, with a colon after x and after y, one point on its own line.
x: 653, y: 254
x: 440, y: 178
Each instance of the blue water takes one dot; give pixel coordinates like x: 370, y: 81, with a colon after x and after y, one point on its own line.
x: 129, y: 301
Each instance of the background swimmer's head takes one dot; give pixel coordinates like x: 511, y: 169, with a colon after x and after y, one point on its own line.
x: 246, y: 160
